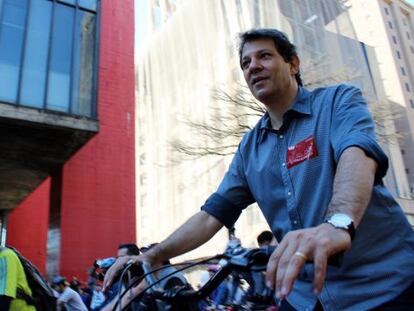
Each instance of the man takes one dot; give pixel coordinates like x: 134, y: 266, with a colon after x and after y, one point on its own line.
x: 315, y: 169
x: 68, y: 298
x: 14, y: 288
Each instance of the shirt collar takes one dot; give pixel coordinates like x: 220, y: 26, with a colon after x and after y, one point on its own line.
x: 301, y: 105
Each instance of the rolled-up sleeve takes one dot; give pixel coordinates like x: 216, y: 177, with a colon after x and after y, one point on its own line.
x: 352, y: 126
x: 232, y: 196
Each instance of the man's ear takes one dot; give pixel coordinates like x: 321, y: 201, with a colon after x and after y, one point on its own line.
x: 294, y: 65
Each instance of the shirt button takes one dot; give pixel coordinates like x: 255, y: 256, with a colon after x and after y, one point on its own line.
x: 289, y: 193
x: 281, y: 136
x: 283, y: 164
x: 295, y: 222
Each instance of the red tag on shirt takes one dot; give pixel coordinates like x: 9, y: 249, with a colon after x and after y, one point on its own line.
x: 302, y: 151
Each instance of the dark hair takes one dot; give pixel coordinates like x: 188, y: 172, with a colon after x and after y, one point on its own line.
x: 132, y: 249
x: 59, y: 280
x: 283, y: 46
x: 265, y: 236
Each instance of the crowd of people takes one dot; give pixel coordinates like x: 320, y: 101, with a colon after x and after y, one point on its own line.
x: 74, y: 295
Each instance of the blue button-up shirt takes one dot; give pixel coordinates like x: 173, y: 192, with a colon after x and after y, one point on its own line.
x: 380, y: 263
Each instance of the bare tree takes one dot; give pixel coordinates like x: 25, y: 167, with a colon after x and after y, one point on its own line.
x: 222, y: 132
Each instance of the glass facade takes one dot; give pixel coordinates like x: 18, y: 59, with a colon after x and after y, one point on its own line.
x: 48, y: 54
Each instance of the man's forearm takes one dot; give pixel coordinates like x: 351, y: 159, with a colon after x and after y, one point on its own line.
x: 194, y: 232
x: 354, y: 180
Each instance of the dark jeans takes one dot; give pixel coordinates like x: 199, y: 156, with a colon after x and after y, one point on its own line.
x: 403, y: 302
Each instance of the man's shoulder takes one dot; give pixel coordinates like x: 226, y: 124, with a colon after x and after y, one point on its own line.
x: 67, y: 293
x: 8, y: 253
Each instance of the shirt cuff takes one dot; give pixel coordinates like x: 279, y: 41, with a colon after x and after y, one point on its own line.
x: 222, y: 209
x: 371, y: 149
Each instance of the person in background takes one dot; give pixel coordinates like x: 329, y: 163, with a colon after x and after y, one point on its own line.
x: 68, y: 298
x: 98, y: 297
x: 13, y: 283
x: 125, y: 249
x: 128, y: 249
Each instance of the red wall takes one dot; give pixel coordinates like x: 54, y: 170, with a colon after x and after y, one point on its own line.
x: 27, y: 226
x: 98, y: 182
x: 98, y: 194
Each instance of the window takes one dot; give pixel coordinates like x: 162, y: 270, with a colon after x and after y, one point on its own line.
x: 83, y: 60
x: 402, y: 151
x: 73, y: 2
x: 408, y: 36
x: 403, y: 71
x: 407, y: 87
x: 412, y: 103
x: 48, y: 62
x: 11, y: 47
x: 60, y: 59
x: 390, y: 24
x: 386, y: 11
x: 36, y: 52
x: 407, y: 170
x: 88, y: 4
x: 394, y: 39
x: 398, y: 54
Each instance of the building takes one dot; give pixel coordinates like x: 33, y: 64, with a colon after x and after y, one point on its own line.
x: 388, y: 27
x: 67, y: 141
x: 187, y: 74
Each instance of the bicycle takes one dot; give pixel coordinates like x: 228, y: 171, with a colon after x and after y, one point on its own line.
x: 184, y: 297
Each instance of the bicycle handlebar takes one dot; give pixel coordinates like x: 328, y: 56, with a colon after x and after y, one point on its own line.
x: 236, y: 260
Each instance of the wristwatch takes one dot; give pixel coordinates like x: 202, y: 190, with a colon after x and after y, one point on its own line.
x: 342, y: 221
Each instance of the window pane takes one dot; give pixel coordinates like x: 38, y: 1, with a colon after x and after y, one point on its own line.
x: 88, y: 4
x: 60, y: 61
x: 11, y: 41
x: 69, y: 1
x: 35, y: 59
x: 83, y: 63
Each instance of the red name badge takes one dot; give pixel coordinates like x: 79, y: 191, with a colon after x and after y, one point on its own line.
x: 302, y: 151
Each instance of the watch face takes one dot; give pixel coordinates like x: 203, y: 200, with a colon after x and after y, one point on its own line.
x: 340, y: 220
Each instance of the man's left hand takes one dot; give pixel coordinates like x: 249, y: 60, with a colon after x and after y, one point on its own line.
x: 297, y: 247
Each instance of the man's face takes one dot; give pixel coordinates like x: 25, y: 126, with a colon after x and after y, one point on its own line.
x: 265, y: 71
x: 122, y: 252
